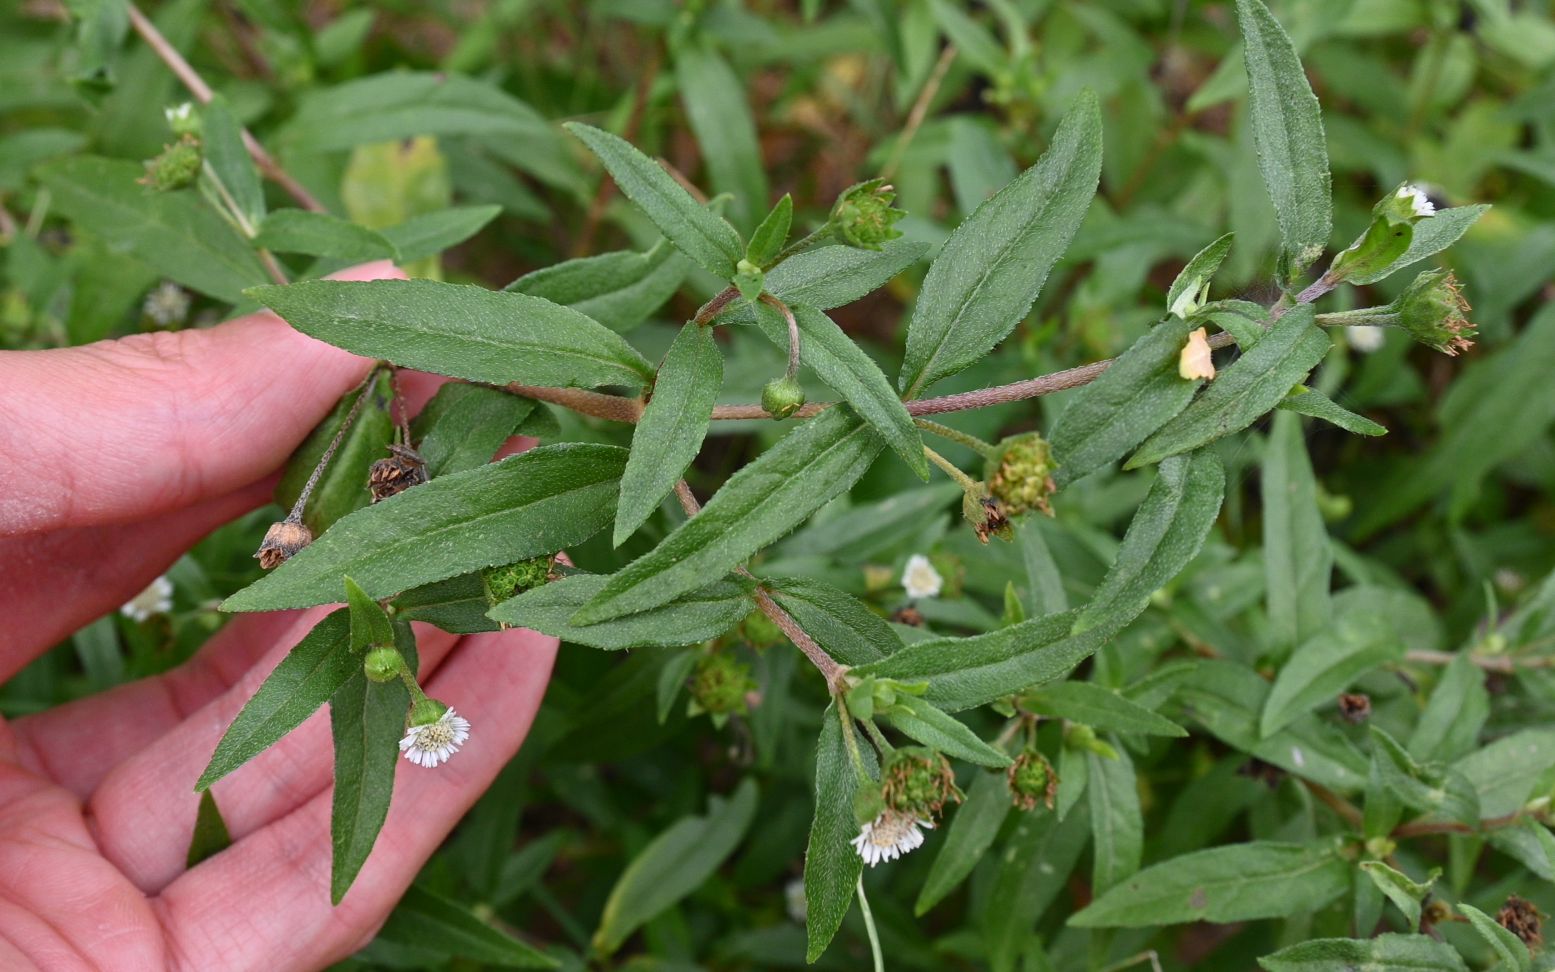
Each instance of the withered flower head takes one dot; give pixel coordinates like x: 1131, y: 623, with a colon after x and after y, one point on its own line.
x: 1433, y: 310
x: 918, y: 782
x: 1521, y: 918
x: 403, y: 469
x: 1032, y: 780
x: 1355, y: 707
x: 1022, y: 476
x: 988, y: 518
x: 282, y: 541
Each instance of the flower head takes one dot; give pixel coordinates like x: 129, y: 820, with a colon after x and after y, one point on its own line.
x: 1420, y: 204
x: 282, y: 541
x: 166, y: 305
x: 1032, y: 780
x: 182, y: 119
x: 1365, y: 338
x: 402, y: 469
x: 918, y: 782
x: 1195, y: 361
x: 1432, y: 309
x: 889, y: 836
x: 433, y: 738
x: 722, y: 684
x: 864, y: 217
x: 1022, y: 477
x: 176, y: 167
x: 157, y: 598
x: 921, y: 579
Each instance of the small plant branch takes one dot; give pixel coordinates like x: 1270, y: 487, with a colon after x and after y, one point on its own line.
x: 919, y: 110
x: 869, y: 928
x: 363, y: 391
x: 1426, y: 828
x: 967, y: 483
x: 882, y: 745
x: 793, y: 332
x: 1347, y: 811
x: 228, y: 207
x: 984, y: 449
x: 830, y: 669
x: 202, y: 93
x: 715, y: 306
x: 1502, y: 664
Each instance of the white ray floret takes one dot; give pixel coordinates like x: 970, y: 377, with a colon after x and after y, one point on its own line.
x: 435, y: 742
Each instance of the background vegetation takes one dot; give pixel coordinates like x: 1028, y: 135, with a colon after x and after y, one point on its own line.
x: 388, y: 111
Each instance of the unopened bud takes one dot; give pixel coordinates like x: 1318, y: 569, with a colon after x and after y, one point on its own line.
x: 383, y: 664
x: 782, y: 397
x: 864, y: 217
x: 1021, y: 477
x: 721, y: 684
x: 1386, y: 238
x: 282, y: 541
x: 178, y: 166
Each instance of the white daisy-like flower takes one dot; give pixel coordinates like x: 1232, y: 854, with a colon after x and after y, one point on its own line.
x: 920, y: 578
x: 435, y: 742
x: 889, y: 836
x: 157, y: 598
x: 798, y: 904
x: 1418, y: 200
x: 1195, y: 361
x: 166, y: 305
x: 1365, y: 338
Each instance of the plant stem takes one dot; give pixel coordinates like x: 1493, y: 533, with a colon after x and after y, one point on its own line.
x: 920, y: 110
x: 984, y: 449
x: 850, y: 738
x: 715, y: 306
x: 365, y: 388
x: 229, y: 208
x: 1503, y: 664
x: 869, y: 927
x: 967, y: 484
x: 202, y: 93
x: 793, y: 332
x: 882, y: 745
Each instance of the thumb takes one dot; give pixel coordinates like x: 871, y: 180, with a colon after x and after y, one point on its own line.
x: 121, y: 430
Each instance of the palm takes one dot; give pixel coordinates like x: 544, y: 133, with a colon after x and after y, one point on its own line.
x: 134, y: 454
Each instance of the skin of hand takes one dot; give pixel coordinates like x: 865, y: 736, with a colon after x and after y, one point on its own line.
x: 118, y: 456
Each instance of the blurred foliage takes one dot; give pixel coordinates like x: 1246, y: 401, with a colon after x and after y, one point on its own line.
x: 396, y: 109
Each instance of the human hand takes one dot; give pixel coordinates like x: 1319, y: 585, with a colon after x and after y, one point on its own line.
x: 118, y: 457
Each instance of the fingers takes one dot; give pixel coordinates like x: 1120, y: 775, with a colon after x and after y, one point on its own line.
x: 264, y: 902
x: 120, y: 430
x: 143, y: 810
x: 53, y: 583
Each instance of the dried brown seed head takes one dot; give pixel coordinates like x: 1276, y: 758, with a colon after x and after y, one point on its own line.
x: 1355, y: 707
x: 403, y: 469
x: 282, y: 541
x: 1521, y: 918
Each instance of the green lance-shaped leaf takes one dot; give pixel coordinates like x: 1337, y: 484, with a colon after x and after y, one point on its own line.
x: 425, y: 920
x: 839, y: 622
x: 1251, y: 386
x: 366, y: 719
x: 369, y: 622
x: 322, y: 235
x: 1429, y: 788
x: 221, y: 141
x: 1403, y: 892
x: 1309, y: 401
x: 851, y: 373
x: 1509, y: 950
x: 1167, y: 531
x: 1288, y: 132
x: 1325, y: 665
x: 175, y: 233
x: 1297, y: 556
x: 210, y: 836
x: 619, y: 290
x: 431, y: 233
x: 993, y: 266
x: 923, y: 722
x: 831, y: 276
x: 1449, y: 727
x: 1238, y: 882
x: 966, y: 672
x: 458, y: 604
x: 674, y: 865
x: 672, y: 427
x: 873, y: 530
x: 698, y: 615
x: 1417, y: 953
x: 971, y: 832
x: 1117, y: 823
x: 1190, y: 286
x: 342, y: 487
x: 1431, y: 236
x: 720, y: 118
x: 536, y: 503
x: 1033, y: 868
x: 772, y: 232
x: 463, y: 426
x: 806, y: 469
x: 1137, y: 394
x: 705, y: 237
x: 831, y: 866
x: 1098, y: 707
x: 304, y: 680
x: 460, y: 331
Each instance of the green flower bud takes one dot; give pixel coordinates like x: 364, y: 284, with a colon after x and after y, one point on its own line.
x: 760, y: 631
x: 383, y: 664
x: 1021, y: 475
x: 178, y: 166
x: 1032, y: 780
x: 782, y: 397
x: 721, y: 684
x: 918, y: 782
x: 1432, y: 310
x: 863, y: 215
x: 749, y: 280
x: 425, y: 712
x: 516, y: 578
